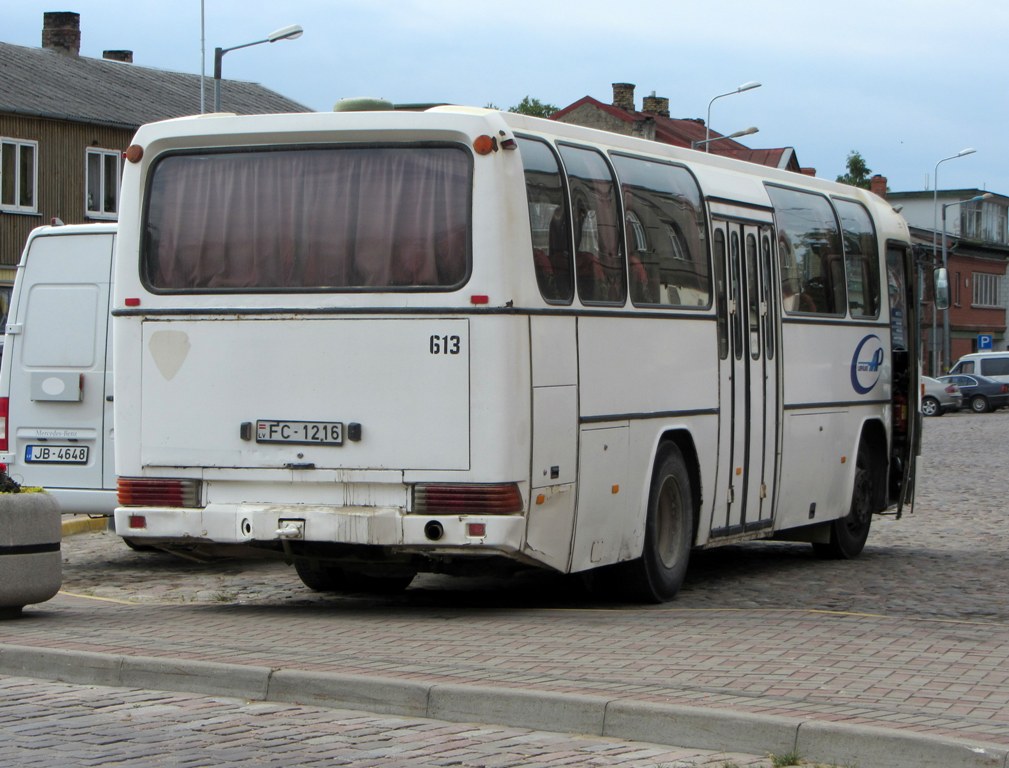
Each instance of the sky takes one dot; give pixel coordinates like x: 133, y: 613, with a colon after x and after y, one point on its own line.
x: 906, y: 83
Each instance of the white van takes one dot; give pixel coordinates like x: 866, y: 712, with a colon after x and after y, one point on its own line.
x: 55, y: 376
x: 994, y: 365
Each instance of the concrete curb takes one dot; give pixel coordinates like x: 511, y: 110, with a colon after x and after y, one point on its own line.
x: 673, y: 725
x: 84, y: 525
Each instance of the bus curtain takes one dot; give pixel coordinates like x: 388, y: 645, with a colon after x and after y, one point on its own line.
x: 375, y: 218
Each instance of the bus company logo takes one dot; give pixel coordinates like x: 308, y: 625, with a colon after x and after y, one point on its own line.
x: 866, y: 364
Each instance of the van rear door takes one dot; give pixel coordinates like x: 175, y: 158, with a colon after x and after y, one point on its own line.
x: 60, y: 421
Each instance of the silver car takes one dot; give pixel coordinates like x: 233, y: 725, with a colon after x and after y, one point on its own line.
x: 940, y: 397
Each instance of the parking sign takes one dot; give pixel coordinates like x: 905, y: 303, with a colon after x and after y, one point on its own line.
x: 984, y: 342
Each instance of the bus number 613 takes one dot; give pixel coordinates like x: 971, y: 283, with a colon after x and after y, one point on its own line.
x: 445, y: 345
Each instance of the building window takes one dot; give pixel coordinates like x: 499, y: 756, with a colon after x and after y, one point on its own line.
x: 102, y: 185
x: 987, y: 290
x: 18, y: 175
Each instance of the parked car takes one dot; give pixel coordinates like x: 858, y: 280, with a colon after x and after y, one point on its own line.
x: 982, y: 393
x: 940, y: 397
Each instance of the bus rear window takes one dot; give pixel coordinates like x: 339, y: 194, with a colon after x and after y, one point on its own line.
x: 348, y: 218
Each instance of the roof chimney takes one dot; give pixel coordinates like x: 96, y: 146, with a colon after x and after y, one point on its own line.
x: 877, y: 185
x: 623, y: 96
x: 61, y: 32
x: 126, y: 56
x: 655, y: 105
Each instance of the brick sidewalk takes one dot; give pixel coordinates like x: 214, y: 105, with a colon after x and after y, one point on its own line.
x: 920, y: 677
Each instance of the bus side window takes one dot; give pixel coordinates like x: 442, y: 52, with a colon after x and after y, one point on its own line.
x: 812, y: 260
x: 667, y: 253
x: 861, y: 254
x: 549, y: 224
x: 599, y: 254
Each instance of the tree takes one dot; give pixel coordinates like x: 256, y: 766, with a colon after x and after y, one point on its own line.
x: 533, y: 107
x: 859, y: 173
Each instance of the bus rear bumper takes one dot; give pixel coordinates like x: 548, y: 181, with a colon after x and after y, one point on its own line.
x: 376, y: 526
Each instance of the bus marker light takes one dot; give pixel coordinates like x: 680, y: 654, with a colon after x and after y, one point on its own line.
x: 484, y: 144
x: 844, y: 459
x: 541, y: 498
x: 134, y: 153
x: 132, y: 302
x: 138, y: 521
x: 615, y: 489
x: 479, y: 298
x: 476, y: 529
x: 739, y: 471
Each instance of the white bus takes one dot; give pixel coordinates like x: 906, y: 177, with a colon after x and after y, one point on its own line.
x: 390, y: 342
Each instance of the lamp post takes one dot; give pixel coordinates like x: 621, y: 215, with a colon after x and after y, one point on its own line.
x: 707, y: 142
x: 935, y: 223
x: 945, y: 315
x: 707, y: 125
x: 292, y: 32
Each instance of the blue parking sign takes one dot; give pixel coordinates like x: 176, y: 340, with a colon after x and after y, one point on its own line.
x: 984, y: 342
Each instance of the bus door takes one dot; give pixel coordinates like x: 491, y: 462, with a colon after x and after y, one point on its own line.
x: 749, y: 401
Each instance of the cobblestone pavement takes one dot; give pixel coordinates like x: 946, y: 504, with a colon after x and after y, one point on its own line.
x: 46, y: 724
x: 940, y: 562
x: 914, y: 635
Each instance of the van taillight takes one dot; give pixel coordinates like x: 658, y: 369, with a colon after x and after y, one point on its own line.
x: 158, y: 492
x: 4, y: 409
x: 502, y: 499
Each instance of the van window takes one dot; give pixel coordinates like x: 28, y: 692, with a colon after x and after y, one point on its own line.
x: 365, y: 218
x: 994, y: 366
x: 54, y: 341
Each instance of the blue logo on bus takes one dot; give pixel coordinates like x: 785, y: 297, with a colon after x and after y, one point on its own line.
x: 866, y: 364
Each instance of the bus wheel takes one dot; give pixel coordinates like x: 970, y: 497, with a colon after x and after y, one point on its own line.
x: 848, y: 534
x: 329, y: 578
x: 656, y: 576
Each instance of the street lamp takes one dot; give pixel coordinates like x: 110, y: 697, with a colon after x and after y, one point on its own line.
x: 935, y: 223
x: 707, y: 125
x: 945, y: 315
x: 292, y: 32
x: 736, y: 135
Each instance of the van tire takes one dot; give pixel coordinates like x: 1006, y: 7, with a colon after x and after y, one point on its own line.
x: 329, y: 578
x: 658, y: 574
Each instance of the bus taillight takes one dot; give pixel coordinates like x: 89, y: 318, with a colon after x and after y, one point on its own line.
x: 502, y: 499
x: 4, y: 410
x: 158, y: 492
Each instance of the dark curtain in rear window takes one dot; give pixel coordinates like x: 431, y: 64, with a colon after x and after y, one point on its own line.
x: 364, y: 218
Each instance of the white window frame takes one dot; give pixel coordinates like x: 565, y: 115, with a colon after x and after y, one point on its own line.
x: 98, y: 211
x: 19, y: 145
x: 987, y: 290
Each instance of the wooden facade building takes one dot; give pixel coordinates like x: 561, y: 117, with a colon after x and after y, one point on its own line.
x: 65, y: 120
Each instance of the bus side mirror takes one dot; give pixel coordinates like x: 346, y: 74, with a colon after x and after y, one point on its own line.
x: 941, y: 288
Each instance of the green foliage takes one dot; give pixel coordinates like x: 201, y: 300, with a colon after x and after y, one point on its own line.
x: 9, y: 485
x: 533, y: 107
x: 859, y: 173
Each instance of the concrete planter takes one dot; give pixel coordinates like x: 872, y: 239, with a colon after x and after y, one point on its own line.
x: 31, y: 565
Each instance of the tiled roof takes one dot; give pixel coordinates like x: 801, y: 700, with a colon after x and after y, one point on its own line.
x: 682, y: 133
x: 46, y: 83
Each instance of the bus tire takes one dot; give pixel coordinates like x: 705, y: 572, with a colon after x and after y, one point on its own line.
x: 328, y: 578
x: 849, y: 533
x: 657, y: 575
